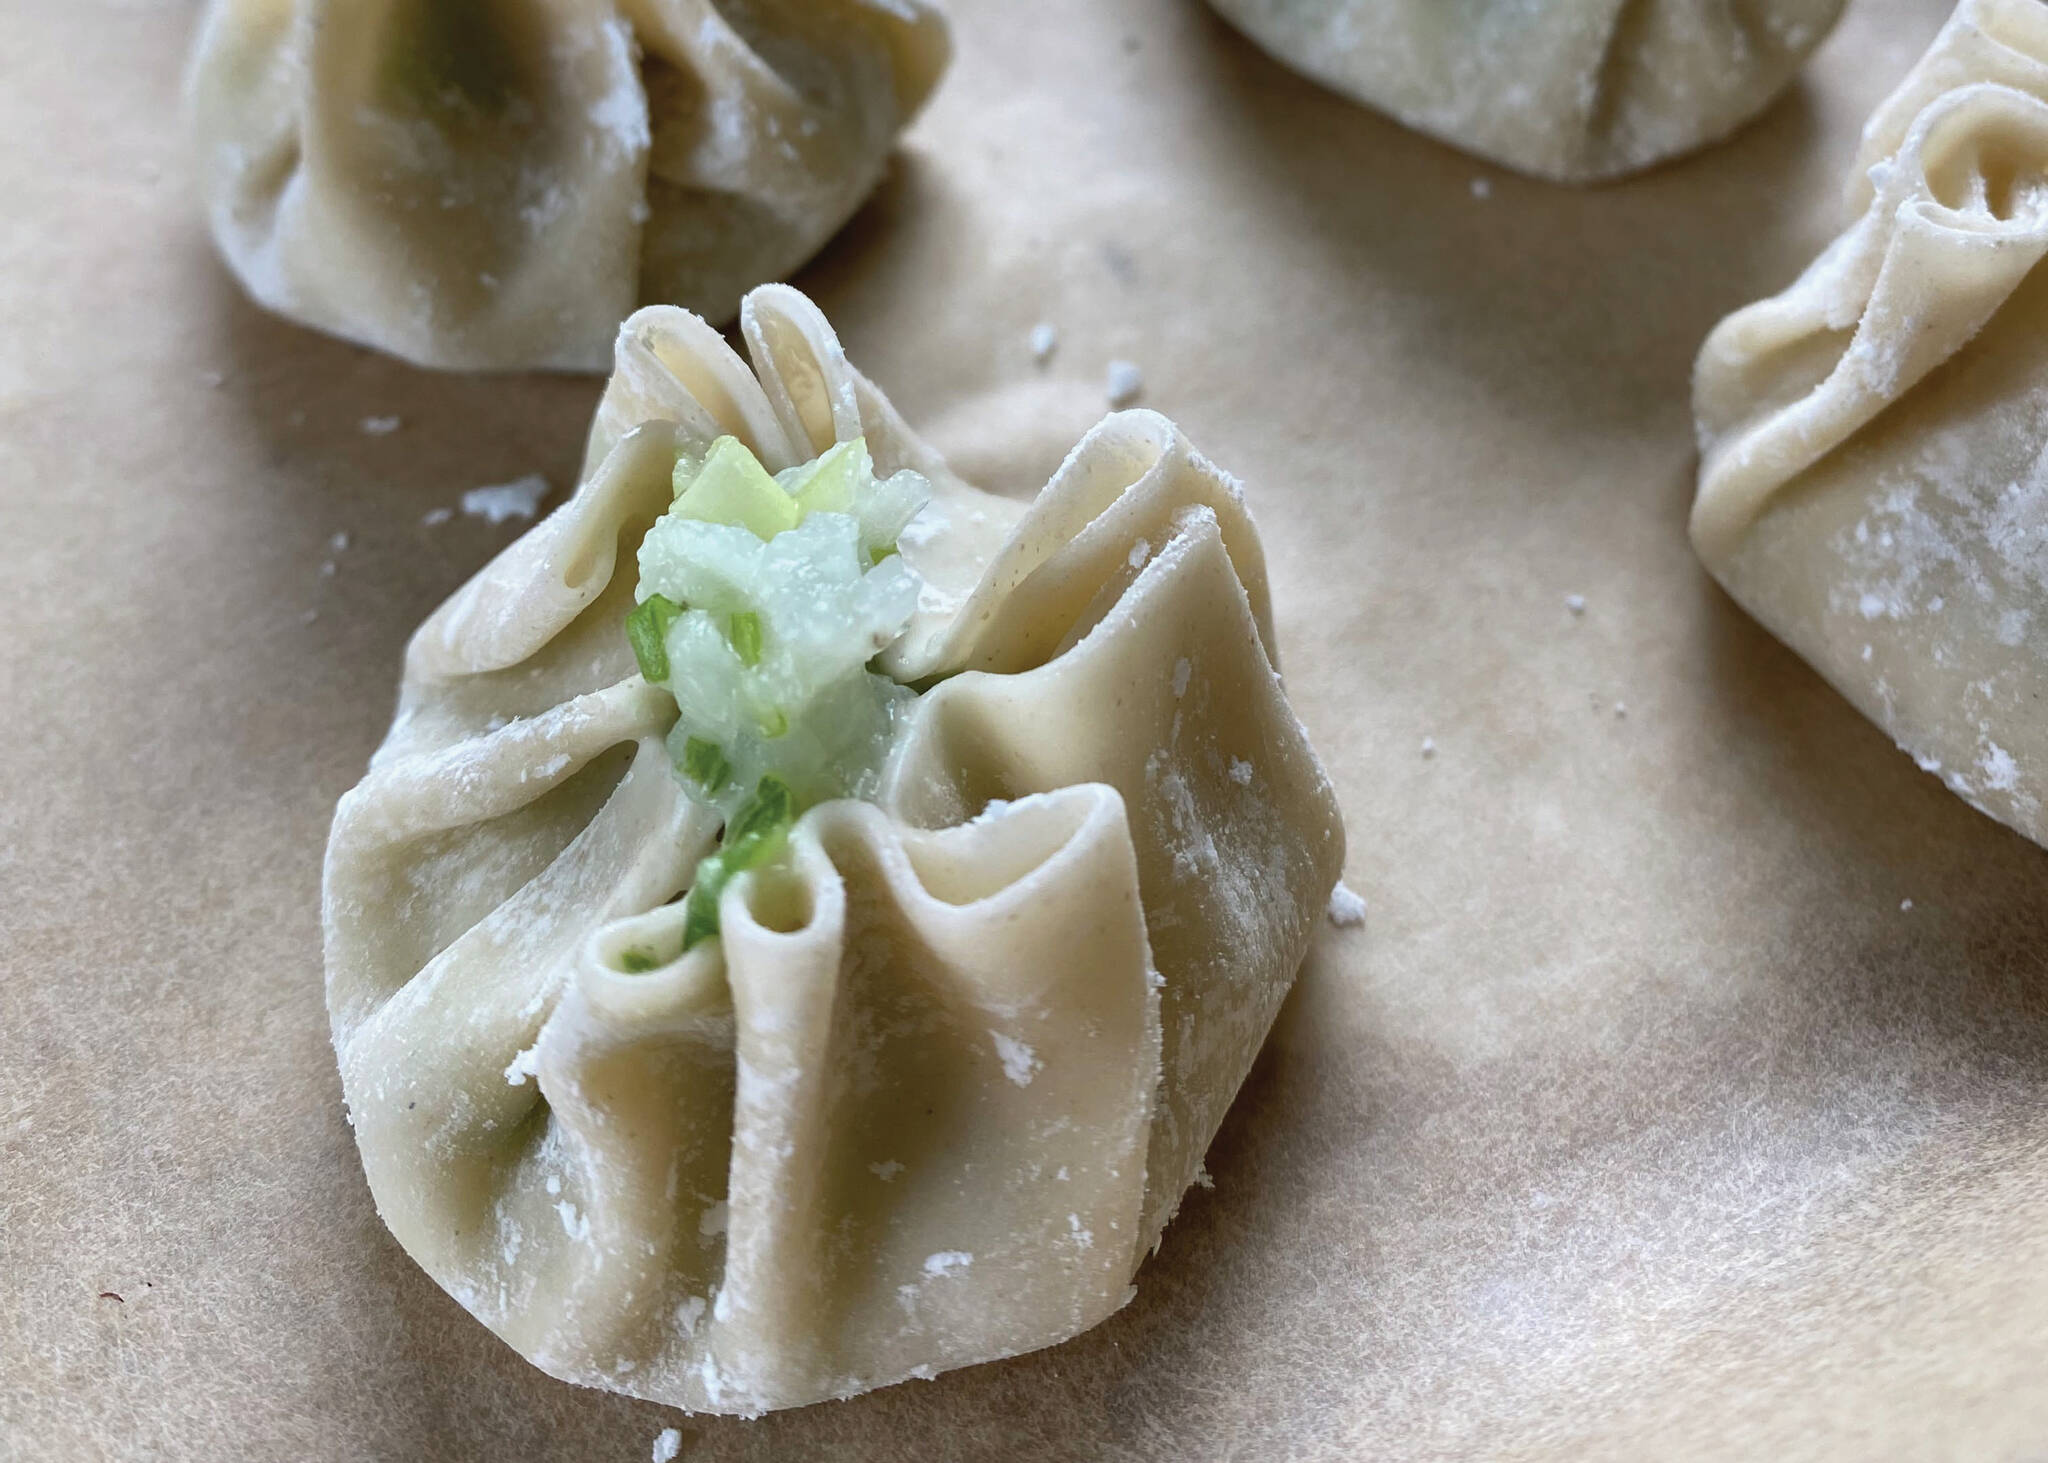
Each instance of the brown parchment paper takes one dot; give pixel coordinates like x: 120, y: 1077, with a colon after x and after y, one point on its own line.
x: 1641, y: 1119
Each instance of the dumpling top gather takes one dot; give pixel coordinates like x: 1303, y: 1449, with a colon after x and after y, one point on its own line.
x: 809, y: 916
x: 1874, y: 440
x: 1575, y: 90
x: 495, y: 184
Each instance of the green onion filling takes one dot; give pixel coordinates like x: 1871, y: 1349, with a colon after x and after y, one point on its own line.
x: 704, y: 764
x: 745, y: 630
x: 647, y: 631
x: 766, y: 601
x: 754, y: 836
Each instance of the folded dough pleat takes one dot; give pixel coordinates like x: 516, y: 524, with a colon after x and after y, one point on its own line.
x: 1083, y: 539
x: 747, y: 1192
x: 454, y: 183
x: 434, y: 1035
x: 1787, y: 380
x: 1170, y: 699
x: 2000, y: 41
x: 1874, y: 476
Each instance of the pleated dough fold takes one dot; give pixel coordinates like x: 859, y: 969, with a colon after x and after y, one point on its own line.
x: 1874, y: 476
x: 944, y: 1077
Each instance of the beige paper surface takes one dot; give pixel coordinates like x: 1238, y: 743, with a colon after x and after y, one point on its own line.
x: 1639, y: 1120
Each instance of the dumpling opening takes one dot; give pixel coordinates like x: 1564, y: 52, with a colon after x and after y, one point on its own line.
x: 1993, y: 170
x: 779, y: 900
x: 1002, y: 848
x: 763, y: 602
x: 640, y: 947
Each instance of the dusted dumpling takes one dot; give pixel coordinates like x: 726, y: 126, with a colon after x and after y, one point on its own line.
x: 1874, y: 482
x: 1575, y: 90
x: 974, y: 1002
x: 483, y: 184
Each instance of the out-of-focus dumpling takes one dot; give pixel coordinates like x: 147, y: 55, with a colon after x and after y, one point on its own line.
x: 822, y: 956
x: 1874, y: 477
x: 483, y: 184
x: 1575, y: 90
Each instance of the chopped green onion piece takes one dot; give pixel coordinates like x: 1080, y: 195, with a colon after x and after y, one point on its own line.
x: 746, y: 637
x: 886, y: 551
x: 647, y: 629
x: 700, y: 912
x: 754, y: 835
x: 636, y: 961
x: 773, y: 806
x: 775, y: 724
x: 705, y: 764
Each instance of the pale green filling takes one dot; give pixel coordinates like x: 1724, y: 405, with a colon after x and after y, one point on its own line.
x: 760, y: 603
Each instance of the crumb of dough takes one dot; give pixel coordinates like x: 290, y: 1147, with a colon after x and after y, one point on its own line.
x: 435, y: 517
x: 1044, y: 341
x: 1429, y: 746
x: 1347, y: 908
x: 1482, y: 188
x: 1202, y: 1178
x: 1905, y: 906
x: 327, y: 569
x: 1620, y: 710
x: 339, y: 542
x: 381, y: 426
x: 523, y: 1066
x: 1240, y: 772
x: 1140, y: 552
x: 1576, y: 603
x: 517, y: 499
x: 1125, y: 383
x: 667, y: 1443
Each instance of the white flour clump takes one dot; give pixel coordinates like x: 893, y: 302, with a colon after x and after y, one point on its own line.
x: 381, y: 426
x: 517, y: 499
x: 1347, y: 909
x: 1044, y: 341
x: 1020, y: 1062
x: 1125, y: 382
x: 667, y: 1443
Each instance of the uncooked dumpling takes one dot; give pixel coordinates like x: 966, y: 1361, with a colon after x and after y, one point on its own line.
x: 1574, y: 90
x: 1874, y: 484
x: 484, y: 184
x: 809, y: 916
